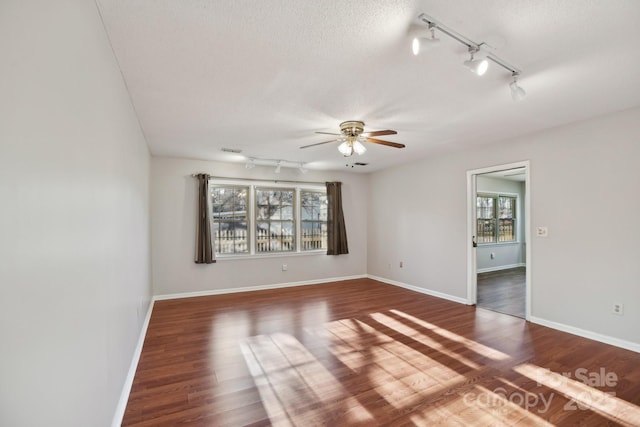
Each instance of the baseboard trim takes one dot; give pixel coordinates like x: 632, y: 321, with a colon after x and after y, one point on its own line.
x: 254, y: 288
x: 500, y: 267
x: 628, y: 345
x: 421, y: 290
x: 128, y: 382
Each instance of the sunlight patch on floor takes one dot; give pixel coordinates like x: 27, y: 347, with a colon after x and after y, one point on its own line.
x: 481, y: 349
x: 294, y: 387
x: 416, y: 335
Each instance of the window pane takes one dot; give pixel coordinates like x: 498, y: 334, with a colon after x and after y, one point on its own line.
x: 506, y: 207
x: 286, y: 212
x: 486, y: 231
x: 262, y: 237
x: 506, y: 230
x: 485, y: 207
x: 314, y: 235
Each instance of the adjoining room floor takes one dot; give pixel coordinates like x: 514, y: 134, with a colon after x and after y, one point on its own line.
x: 360, y: 352
x: 503, y: 291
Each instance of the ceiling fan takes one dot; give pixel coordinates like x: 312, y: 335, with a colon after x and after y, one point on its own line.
x: 352, y: 136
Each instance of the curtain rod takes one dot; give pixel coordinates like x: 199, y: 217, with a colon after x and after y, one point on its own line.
x: 275, y: 181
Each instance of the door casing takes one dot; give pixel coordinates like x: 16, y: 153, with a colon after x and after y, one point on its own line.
x: 472, y: 283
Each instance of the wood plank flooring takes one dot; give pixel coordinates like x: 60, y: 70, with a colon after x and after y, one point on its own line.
x: 364, y: 353
x: 503, y: 291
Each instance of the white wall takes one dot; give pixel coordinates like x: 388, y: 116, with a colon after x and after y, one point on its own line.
x: 506, y: 255
x: 74, y: 218
x: 590, y: 258
x: 173, y: 207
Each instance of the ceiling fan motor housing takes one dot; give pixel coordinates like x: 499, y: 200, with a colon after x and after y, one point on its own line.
x: 352, y: 128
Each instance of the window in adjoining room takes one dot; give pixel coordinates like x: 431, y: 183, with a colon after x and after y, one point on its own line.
x: 496, y: 218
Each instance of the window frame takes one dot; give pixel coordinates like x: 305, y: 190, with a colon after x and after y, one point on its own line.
x: 496, y: 218
x: 252, y: 216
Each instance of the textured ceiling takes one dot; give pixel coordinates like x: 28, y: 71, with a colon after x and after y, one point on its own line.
x: 263, y: 76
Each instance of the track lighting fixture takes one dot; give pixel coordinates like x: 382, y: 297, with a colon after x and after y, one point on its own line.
x: 419, y: 43
x: 479, y: 56
x: 517, y: 93
x: 278, y: 166
x: 250, y: 164
x: 302, y: 169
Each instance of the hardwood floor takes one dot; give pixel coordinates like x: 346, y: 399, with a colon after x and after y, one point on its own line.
x: 503, y: 291
x: 364, y: 353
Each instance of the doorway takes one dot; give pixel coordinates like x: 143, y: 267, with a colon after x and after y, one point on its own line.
x: 498, y: 267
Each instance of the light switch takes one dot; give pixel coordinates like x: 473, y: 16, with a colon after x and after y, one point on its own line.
x: 542, y: 232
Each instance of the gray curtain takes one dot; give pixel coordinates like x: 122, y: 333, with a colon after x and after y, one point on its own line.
x: 204, y: 250
x: 336, y: 230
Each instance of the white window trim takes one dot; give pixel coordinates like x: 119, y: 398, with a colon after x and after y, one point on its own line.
x: 251, y: 220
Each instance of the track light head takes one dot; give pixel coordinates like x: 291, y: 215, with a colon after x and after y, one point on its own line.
x: 477, y: 63
x: 250, y: 164
x: 420, y: 44
x: 517, y: 93
x: 278, y: 167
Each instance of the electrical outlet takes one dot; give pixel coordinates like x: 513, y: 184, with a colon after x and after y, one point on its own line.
x: 542, y: 231
x: 285, y: 267
x: 493, y: 255
x: 617, y: 308
x: 401, y: 264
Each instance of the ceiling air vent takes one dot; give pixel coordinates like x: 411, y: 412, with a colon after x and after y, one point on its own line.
x: 231, y: 150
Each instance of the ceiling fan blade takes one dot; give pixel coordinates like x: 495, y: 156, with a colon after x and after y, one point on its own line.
x: 387, y: 143
x: 318, y: 143
x: 381, y: 132
x: 328, y: 133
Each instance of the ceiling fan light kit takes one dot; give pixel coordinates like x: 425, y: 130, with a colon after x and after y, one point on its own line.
x: 479, y: 59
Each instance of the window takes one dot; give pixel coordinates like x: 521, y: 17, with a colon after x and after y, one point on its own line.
x: 275, y: 227
x: 313, y: 215
x: 229, y: 209
x: 496, y: 218
x: 256, y: 220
